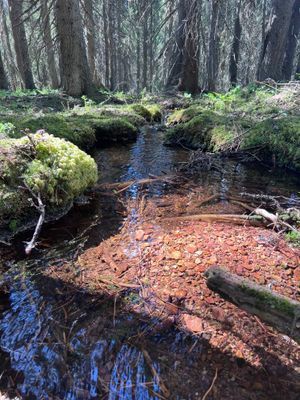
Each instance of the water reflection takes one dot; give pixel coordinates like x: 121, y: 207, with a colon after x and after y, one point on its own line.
x: 60, y: 357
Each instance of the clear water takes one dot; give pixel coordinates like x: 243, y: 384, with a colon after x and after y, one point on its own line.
x: 58, y: 342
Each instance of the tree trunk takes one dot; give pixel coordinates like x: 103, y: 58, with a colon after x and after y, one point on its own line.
x: 235, y: 50
x: 76, y: 75
x: 3, y: 79
x: 274, y: 45
x: 49, y: 45
x: 291, y: 47
x: 185, y: 61
x: 279, y: 311
x: 106, y: 43
x: 21, y: 46
x: 90, y: 27
x: 213, y: 52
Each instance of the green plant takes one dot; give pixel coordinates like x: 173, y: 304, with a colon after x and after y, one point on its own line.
x: 293, y: 237
x: 87, y: 103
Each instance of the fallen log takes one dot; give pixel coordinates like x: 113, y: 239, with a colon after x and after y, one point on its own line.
x: 279, y: 311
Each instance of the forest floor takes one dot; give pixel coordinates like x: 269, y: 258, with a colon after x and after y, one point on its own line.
x: 155, y: 267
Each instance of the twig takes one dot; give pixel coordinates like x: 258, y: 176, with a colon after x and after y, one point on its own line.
x: 42, y: 210
x: 211, y: 386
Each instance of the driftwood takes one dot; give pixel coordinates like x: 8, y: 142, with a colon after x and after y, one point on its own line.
x: 278, y: 311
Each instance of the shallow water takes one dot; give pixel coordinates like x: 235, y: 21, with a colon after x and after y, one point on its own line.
x: 60, y: 343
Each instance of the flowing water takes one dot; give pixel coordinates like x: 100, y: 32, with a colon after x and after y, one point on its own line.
x: 58, y: 342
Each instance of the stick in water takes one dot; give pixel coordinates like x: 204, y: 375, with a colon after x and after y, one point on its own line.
x: 42, y: 210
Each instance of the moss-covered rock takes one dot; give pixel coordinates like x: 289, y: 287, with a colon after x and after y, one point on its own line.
x: 40, y: 164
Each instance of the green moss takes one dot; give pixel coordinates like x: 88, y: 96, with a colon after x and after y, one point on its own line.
x: 265, y: 300
x: 279, y: 138
x: 115, y: 130
x: 142, y: 111
x: 83, y: 129
x: 155, y: 111
x: 49, y: 166
x: 198, y: 132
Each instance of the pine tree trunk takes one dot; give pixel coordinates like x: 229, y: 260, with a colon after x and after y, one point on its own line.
x: 185, y: 61
x: 235, y: 50
x: 291, y: 47
x: 90, y: 27
x: 76, y: 75
x: 274, y: 45
x: 3, y: 79
x: 49, y: 45
x: 21, y: 46
x: 106, y: 42
x: 213, y: 52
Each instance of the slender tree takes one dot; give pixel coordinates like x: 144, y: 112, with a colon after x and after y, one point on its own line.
x: 292, y: 42
x: 235, y: 50
x: 47, y: 35
x: 3, y: 79
x: 76, y: 75
x: 275, y: 41
x: 213, y: 57
x: 21, y: 45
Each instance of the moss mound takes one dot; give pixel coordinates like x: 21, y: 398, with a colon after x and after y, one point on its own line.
x: 208, y: 131
x: 82, y: 129
x: 276, y: 140
x: 40, y: 164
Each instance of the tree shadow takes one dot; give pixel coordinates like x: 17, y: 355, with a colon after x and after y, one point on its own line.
x: 59, y: 342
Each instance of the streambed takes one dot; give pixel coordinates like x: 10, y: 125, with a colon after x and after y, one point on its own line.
x: 58, y: 342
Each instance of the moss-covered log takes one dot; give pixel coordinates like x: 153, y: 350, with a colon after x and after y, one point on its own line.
x: 279, y: 311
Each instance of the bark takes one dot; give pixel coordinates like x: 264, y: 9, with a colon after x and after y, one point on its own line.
x: 279, y: 311
x: 185, y: 61
x: 90, y: 27
x: 145, y: 46
x: 274, y: 45
x: 106, y: 42
x: 76, y: 74
x: 20, y: 40
x: 45, y: 14
x: 288, y: 64
x: 235, y: 50
x: 213, y: 52
x: 3, y: 79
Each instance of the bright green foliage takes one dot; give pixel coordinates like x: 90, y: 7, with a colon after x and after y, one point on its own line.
x: 49, y: 166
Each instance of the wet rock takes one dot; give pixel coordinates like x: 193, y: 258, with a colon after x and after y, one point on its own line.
x: 192, y: 323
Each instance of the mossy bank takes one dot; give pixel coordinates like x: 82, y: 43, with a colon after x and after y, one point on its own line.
x: 259, y: 120
x: 84, y: 126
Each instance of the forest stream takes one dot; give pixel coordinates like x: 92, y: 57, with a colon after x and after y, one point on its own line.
x: 59, y: 341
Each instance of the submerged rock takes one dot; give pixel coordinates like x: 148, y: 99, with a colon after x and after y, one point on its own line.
x: 40, y: 164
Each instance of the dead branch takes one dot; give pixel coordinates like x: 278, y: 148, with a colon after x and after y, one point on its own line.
x: 42, y: 210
